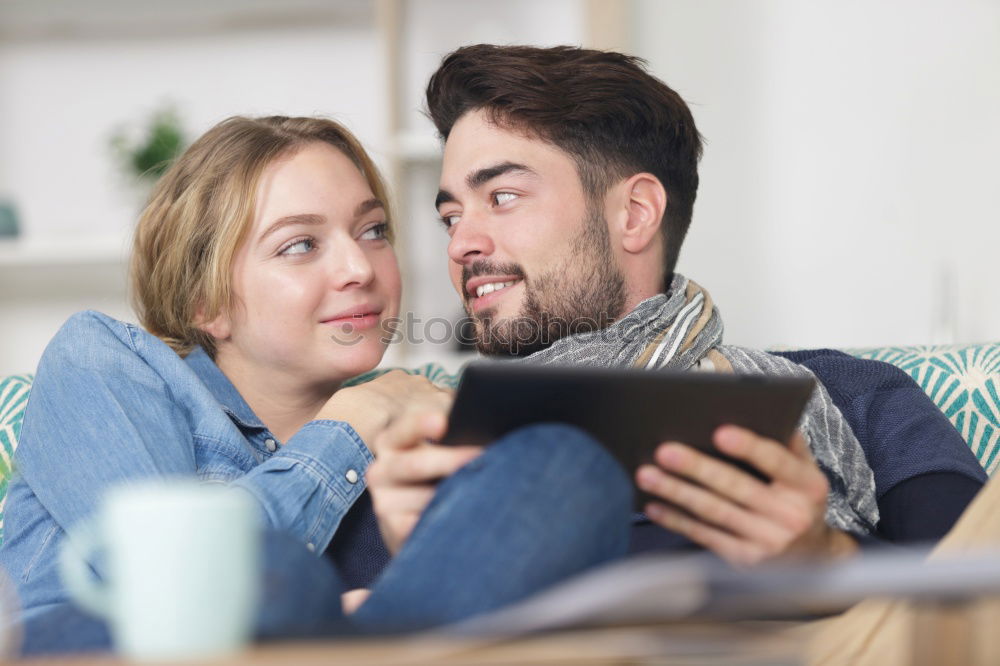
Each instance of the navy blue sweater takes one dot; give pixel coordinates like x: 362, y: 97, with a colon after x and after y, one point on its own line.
x: 925, y: 473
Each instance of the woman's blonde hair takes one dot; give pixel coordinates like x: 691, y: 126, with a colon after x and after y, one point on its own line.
x: 200, y: 213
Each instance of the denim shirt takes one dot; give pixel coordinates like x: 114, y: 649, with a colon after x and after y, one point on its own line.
x: 112, y: 403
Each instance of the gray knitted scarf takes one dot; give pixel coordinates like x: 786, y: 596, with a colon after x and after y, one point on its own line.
x: 682, y: 330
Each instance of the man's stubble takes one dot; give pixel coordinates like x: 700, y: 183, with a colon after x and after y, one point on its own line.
x: 584, y: 292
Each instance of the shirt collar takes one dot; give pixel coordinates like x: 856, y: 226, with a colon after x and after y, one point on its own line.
x: 222, y: 389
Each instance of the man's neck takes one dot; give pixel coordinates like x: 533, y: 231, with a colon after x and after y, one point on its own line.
x: 636, y: 295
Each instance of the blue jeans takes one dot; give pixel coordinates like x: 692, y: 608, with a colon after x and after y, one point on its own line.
x: 540, y: 505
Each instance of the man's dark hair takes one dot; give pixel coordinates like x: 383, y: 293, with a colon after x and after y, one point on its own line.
x: 602, y: 108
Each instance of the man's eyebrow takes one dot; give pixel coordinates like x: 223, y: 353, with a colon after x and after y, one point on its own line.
x: 482, y: 176
x: 444, y: 196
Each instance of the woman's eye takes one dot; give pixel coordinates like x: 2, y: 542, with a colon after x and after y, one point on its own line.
x: 500, y: 198
x: 378, y: 232
x: 298, y: 247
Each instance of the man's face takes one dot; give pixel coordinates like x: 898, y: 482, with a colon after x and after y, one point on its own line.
x: 531, y: 260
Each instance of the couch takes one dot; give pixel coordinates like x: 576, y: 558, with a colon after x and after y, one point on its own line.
x: 962, y: 380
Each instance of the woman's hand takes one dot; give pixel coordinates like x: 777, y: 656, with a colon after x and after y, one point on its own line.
x: 404, y: 477
x: 351, y: 600
x: 372, y: 406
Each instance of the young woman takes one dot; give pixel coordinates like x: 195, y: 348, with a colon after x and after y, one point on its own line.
x: 264, y: 277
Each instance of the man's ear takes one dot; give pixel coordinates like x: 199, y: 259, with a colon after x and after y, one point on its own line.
x: 645, y: 201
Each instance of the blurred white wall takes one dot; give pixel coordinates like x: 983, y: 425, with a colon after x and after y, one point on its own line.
x: 852, y: 156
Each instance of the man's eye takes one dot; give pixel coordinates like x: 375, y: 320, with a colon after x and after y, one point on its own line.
x: 500, y: 198
x: 298, y: 247
x: 450, y: 220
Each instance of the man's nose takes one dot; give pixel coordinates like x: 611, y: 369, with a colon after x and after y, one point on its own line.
x: 470, y: 240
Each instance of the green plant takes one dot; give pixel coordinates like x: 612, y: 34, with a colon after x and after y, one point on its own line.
x: 149, y: 155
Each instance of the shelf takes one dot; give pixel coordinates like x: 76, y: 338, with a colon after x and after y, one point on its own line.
x: 27, y: 20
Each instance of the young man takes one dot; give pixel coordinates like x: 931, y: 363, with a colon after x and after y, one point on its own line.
x: 567, y: 187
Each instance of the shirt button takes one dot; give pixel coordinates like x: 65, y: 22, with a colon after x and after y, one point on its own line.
x: 352, y: 476
x: 271, y: 445
x: 311, y: 547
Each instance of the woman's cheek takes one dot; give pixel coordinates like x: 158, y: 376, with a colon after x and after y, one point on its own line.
x: 387, y: 269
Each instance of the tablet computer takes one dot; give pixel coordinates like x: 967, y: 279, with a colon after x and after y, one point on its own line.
x: 629, y: 411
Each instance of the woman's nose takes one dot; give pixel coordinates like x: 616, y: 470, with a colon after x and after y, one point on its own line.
x: 351, y: 267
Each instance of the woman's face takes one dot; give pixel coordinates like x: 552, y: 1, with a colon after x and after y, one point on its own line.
x: 315, y: 281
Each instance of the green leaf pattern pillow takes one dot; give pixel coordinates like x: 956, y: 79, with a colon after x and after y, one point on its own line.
x: 962, y: 380
x: 13, y: 399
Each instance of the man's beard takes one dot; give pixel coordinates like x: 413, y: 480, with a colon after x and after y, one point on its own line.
x: 585, y: 292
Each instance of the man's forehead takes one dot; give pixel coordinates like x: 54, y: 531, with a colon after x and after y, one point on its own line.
x: 475, y: 143
x: 484, y: 121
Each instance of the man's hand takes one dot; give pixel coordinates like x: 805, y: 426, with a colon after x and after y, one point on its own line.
x: 744, y: 520
x: 404, y: 476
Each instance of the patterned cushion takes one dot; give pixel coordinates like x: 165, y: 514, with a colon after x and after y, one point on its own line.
x: 13, y: 399
x: 963, y: 381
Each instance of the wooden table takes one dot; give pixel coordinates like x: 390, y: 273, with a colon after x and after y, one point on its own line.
x: 876, y: 633
x: 742, y: 644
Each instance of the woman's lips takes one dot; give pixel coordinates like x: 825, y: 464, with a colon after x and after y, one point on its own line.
x: 356, y: 322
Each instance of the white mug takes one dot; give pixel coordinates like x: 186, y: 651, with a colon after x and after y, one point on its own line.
x: 182, y: 567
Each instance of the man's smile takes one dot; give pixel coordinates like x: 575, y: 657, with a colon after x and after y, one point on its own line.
x: 485, y: 291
